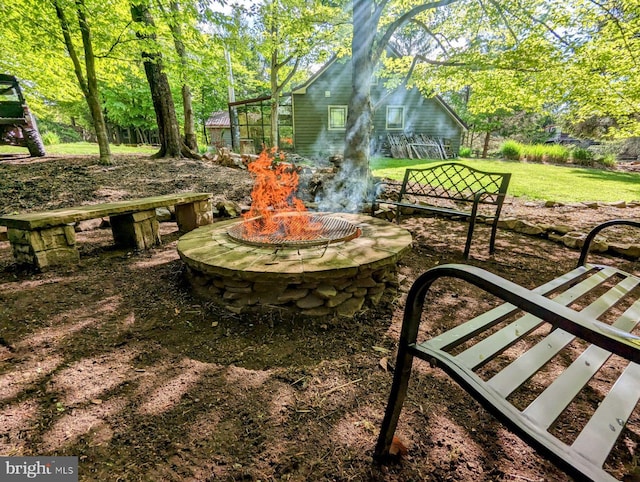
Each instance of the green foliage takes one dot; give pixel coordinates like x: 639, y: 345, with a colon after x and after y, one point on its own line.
x: 49, y: 138
x: 511, y: 150
x: 562, y: 183
x: 130, y: 107
x: 553, y: 153
x: 581, y: 156
x: 609, y: 160
x: 572, y: 59
x: 64, y: 133
x: 465, y: 152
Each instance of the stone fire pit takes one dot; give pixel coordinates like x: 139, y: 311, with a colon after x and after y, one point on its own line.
x: 338, y: 278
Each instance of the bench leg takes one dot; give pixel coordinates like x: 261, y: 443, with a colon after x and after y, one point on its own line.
x: 399, y: 387
x: 467, y: 246
x: 192, y: 215
x: 492, y: 241
x: 44, y: 247
x: 138, y: 230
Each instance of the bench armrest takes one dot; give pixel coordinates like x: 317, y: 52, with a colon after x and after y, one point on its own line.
x: 591, y: 236
x: 611, y: 339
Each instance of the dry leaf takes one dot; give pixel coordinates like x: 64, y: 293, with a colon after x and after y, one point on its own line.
x: 398, y: 449
x: 384, y: 363
x: 381, y: 349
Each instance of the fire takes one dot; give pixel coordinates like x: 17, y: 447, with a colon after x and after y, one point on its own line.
x: 274, y: 194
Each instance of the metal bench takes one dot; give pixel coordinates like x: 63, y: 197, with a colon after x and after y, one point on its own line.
x: 497, y: 353
x: 459, y: 184
x: 48, y: 238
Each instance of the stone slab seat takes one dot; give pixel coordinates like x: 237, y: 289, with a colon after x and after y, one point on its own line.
x: 47, y: 238
x: 571, y: 337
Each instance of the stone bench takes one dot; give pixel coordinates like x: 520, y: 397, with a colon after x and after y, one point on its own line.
x: 48, y: 238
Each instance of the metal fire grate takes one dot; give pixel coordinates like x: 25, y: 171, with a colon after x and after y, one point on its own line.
x: 329, y: 230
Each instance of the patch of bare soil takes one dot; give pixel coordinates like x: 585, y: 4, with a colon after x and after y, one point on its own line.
x: 115, y: 361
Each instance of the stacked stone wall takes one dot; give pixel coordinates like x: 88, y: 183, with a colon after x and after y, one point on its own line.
x: 324, y: 296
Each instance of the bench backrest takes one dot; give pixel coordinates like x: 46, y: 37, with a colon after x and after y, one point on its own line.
x: 457, y: 182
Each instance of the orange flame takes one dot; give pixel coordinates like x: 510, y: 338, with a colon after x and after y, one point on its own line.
x: 275, y: 185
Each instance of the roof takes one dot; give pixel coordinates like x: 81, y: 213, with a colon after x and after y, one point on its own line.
x: 302, y: 89
x: 451, y: 112
x: 7, y: 78
x: 219, y: 119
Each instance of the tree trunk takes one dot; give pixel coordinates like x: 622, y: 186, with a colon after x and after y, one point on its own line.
x: 351, y: 184
x: 275, y: 94
x: 485, y: 148
x: 359, y: 114
x: 171, y: 144
x: 89, y: 87
x: 190, y: 138
x: 93, y: 98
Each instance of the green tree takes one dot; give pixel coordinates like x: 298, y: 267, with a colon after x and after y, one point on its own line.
x: 171, y: 144
x: 87, y: 79
x: 578, y: 58
x: 374, y: 24
x: 287, y: 26
x: 175, y: 16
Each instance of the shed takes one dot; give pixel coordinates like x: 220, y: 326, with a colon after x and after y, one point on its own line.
x: 219, y: 128
x: 320, y: 105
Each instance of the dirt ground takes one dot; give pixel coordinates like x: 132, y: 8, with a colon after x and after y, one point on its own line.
x: 115, y: 361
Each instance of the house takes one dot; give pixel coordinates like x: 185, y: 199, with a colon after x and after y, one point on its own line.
x: 319, y: 109
x: 312, y: 118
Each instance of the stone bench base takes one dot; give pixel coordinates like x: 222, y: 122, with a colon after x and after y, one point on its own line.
x: 44, y: 247
x: 138, y: 230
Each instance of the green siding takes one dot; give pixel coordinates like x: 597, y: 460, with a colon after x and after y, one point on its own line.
x: 310, y: 114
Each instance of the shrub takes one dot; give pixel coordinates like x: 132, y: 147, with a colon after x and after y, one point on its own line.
x: 609, y: 160
x: 511, y: 150
x: 582, y: 157
x: 49, y: 138
x: 66, y: 133
x: 534, y: 153
x: 556, y: 153
x: 544, y: 153
x: 465, y: 152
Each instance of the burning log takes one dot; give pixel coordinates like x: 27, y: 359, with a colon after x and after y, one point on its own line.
x: 274, y: 193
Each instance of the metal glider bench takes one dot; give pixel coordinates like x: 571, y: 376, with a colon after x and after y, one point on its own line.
x: 548, y: 332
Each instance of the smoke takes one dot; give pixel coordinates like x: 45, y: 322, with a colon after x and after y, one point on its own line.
x: 347, y: 191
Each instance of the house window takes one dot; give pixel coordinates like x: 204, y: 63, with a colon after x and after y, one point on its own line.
x: 337, y: 117
x: 395, y: 117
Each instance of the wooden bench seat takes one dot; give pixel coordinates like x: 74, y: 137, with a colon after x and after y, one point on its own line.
x: 463, y: 186
x: 562, y: 334
x: 47, y: 238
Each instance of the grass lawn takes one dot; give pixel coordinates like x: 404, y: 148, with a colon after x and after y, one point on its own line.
x: 528, y: 180
x: 538, y: 181
x: 81, y: 149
